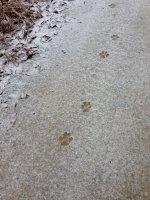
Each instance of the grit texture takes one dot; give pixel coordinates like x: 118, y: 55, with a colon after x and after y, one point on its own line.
x: 82, y: 131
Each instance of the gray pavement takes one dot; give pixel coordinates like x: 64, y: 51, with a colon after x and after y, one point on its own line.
x: 84, y: 131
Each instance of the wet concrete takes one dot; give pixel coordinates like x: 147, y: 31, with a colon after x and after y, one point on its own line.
x: 83, y: 133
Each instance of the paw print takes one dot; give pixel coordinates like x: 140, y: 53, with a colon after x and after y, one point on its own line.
x: 65, y: 139
x: 114, y: 37
x: 112, y: 5
x: 104, y: 54
x: 86, y: 106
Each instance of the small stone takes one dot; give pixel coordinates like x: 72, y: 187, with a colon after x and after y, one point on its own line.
x: 4, y: 105
x: 13, y: 96
x: 35, y: 65
x: 56, y: 11
x: 112, y: 5
x: 24, y: 96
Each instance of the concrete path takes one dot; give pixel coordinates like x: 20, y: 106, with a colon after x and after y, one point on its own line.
x: 84, y: 131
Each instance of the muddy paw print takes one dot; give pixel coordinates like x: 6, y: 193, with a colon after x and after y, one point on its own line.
x: 114, y: 37
x: 65, y: 139
x: 86, y: 106
x: 104, y: 54
x: 112, y: 5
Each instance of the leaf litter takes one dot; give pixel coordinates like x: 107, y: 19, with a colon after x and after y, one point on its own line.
x: 24, y: 26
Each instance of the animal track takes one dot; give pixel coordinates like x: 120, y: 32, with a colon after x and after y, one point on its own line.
x: 114, y: 37
x: 112, y: 5
x: 104, y: 54
x: 86, y: 106
x: 65, y: 139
